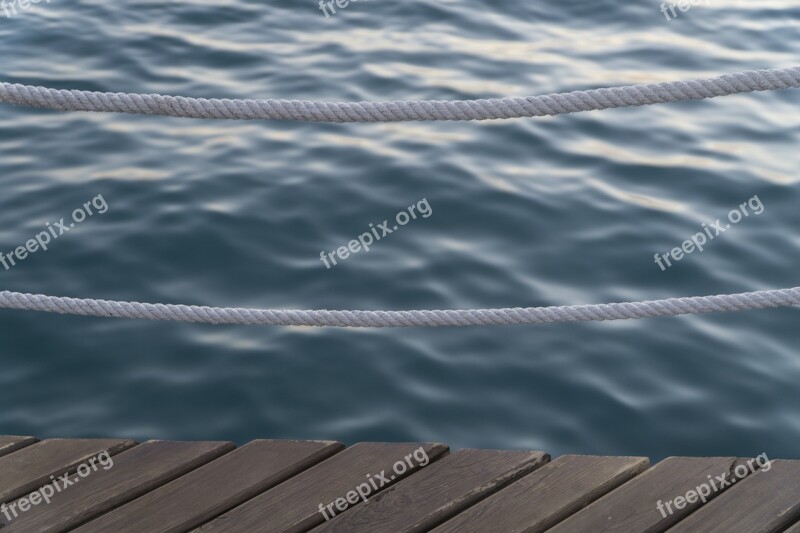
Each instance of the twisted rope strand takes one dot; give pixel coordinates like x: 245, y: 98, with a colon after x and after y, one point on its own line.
x: 397, y: 111
x: 385, y: 319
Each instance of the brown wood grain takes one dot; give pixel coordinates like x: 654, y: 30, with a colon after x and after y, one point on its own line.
x: 543, y: 498
x: 764, y: 502
x: 293, y: 506
x: 438, y: 492
x: 266, y: 486
x: 124, y: 477
x: 215, y: 488
x: 632, y: 508
x: 10, y: 444
x: 31, y: 467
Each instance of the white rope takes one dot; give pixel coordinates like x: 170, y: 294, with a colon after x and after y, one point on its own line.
x: 554, y: 104
x: 501, y: 108
x: 382, y: 319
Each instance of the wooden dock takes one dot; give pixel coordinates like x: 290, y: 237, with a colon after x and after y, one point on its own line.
x: 102, y: 485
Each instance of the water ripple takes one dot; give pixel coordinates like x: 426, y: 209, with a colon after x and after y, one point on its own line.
x: 551, y: 211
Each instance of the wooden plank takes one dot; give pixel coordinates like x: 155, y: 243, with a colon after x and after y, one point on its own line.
x: 215, y: 488
x: 295, y: 504
x: 543, y: 498
x: 766, y: 501
x: 633, y: 506
x: 438, y: 492
x: 29, y: 468
x: 115, y: 481
x: 10, y: 444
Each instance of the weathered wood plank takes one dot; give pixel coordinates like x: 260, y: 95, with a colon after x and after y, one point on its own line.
x: 438, y: 492
x: 294, y: 505
x: 116, y: 481
x: 29, y: 468
x: 10, y: 444
x: 763, y: 502
x: 632, y: 508
x: 215, y: 488
x: 543, y: 498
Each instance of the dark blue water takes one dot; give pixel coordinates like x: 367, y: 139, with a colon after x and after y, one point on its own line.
x: 566, y: 210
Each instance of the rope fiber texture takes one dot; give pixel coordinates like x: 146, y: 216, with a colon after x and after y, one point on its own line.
x: 504, y: 108
x: 379, y: 319
x: 311, y: 111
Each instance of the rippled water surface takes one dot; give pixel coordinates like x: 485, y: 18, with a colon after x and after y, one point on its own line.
x: 564, y: 210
